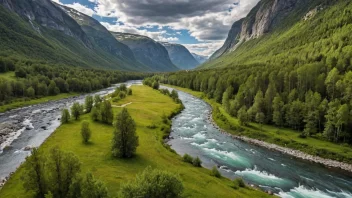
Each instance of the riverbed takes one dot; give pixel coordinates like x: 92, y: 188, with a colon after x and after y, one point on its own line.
x: 193, y: 133
x: 24, y: 128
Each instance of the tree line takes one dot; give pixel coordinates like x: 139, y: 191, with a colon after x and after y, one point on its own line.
x: 312, y: 98
x: 35, y: 80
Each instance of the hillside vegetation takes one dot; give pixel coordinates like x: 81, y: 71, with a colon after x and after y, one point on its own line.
x: 298, y: 78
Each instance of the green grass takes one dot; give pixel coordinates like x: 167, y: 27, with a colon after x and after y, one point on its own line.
x: 23, y: 103
x: 280, y: 136
x: 147, y: 108
x: 8, y: 75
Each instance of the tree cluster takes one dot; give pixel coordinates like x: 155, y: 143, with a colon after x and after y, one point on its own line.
x: 57, y: 174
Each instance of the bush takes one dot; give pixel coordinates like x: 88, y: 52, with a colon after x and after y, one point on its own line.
x: 65, y: 116
x: 85, y: 132
x: 187, y: 158
x: 155, y: 85
x: 129, y: 92
x: 238, y: 183
x: 153, y: 183
x: 197, y: 162
x: 215, y: 172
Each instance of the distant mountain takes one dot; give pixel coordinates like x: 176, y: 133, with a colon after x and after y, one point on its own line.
x: 40, y: 30
x: 147, y: 51
x: 201, y: 59
x: 180, y: 56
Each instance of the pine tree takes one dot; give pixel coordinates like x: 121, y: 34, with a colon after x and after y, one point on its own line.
x: 125, y: 140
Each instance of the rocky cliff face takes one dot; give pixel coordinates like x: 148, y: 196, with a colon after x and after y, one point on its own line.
x: 265, y: 17
x: 180, y: 56
x: 99, y: 35
x: 147, y: 51
x: 201, y: 59
x: 46, y: 14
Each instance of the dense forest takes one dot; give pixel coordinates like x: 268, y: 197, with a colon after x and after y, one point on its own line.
x: 35, y: 79
x: 314, y: 98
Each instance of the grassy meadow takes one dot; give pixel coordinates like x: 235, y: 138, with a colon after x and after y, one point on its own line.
x: 147, y: 108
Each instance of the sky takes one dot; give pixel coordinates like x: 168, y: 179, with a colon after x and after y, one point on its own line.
x: 200, y: 25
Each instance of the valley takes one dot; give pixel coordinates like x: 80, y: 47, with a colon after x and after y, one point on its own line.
x: 173, y: 99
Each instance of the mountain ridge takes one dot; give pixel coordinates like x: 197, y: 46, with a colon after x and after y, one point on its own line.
x: 180, y: 56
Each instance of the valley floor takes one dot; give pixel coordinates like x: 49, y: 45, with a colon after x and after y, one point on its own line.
x: 147, y: 107
x: 279, y: 136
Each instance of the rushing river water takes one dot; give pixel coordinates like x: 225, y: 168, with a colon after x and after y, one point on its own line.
x: 31, y: 126
x: 194, y: 134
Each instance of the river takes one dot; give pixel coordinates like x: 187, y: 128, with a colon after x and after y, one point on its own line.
x: 30, y: 126
x: 194, y: 134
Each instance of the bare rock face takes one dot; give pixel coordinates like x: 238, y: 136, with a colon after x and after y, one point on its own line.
x: 46, y: 14
x: 180, y: 56
x: 147, y: 51
x: 264, y: 18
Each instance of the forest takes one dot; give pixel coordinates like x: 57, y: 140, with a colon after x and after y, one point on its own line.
x: 313, y: 98
x: 36, y: 79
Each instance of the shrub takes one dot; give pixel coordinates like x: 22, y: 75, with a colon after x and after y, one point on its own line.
x: 187, y: 158
x: 153, y: 183
x: 85, y: 132
x: 238, y: 183
x: 197, y: 162
x: 65, y: 116
x: 215, y: 172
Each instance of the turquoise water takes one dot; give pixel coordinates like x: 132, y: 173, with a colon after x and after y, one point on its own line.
x: 193, y: 134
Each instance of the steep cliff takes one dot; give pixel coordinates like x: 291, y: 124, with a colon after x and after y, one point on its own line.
x: 39, y: 30
x: 103, y: 40
x: 180, y: 56
x: 46, y: 14
x: 147, y: 51
x: 266, y: 17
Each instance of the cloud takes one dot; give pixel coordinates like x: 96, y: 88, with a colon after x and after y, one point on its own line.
x: 160, y: 35
x: 208, y: 21
x: 205, y: 49
x: 81, y: 8
x: 205, y: 19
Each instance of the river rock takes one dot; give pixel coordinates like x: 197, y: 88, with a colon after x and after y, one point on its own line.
x: 27, y: 148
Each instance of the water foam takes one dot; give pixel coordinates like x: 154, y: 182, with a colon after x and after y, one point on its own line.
x: 303, y: 192
x: 257, y: 173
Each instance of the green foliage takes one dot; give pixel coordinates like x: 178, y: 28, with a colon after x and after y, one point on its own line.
x: 93, y: 188
x: 65, y: 116
x: 238, y: 183
x: 106, y: 113
x: 85, y: 132
x: 215, y: 172
x: 153, y: 183
x: 76, y: 110
x: 125, y: 140
x: 187, y: 158
x: 197, y: 162
x: 52, y: 174
x: 88, y: 103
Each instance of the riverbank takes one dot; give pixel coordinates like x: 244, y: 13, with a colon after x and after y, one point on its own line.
x: 24, y: 103
x: 230, y: 126
x: 147, y: 109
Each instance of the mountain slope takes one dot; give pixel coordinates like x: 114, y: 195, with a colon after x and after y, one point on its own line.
x: 201, y: 59
x: 270, y: 24
x: 147, y: 51
x: 180, y: 56
x: 103, y: 39
x: 38, y: 30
